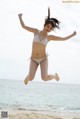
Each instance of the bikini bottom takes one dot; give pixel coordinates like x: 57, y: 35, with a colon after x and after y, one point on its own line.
x: 38, y: 60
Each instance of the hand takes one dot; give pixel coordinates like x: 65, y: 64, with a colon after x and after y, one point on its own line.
x: 74, y: 33
x: 20, y: 15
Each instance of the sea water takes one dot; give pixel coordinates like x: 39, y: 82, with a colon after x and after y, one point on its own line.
x: 39, y: 96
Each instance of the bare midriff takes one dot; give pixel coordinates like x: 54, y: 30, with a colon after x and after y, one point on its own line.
x: 38, y: 51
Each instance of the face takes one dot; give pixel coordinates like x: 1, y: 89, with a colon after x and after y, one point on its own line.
x: 48, y: 27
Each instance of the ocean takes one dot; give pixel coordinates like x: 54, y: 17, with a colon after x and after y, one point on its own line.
x: 39, y: 96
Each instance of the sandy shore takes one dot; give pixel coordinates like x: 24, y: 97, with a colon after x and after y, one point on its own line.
x: 17, y: 114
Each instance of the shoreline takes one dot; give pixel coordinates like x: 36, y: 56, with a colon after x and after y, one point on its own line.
x: 25, y: 114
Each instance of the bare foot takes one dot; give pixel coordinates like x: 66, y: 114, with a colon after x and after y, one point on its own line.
x: 57, y: 77
x: 26, y: 80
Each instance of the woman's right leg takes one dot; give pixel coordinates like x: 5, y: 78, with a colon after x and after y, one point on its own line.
x: 32, y: 71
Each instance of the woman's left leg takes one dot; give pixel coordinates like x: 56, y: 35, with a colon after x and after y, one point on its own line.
x: 44, y: 71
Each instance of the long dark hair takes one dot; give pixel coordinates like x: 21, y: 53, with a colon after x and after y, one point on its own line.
x: 53, y: 21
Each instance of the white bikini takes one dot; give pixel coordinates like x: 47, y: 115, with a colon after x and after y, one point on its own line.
x: 43, y: 42
x: 37, y: 40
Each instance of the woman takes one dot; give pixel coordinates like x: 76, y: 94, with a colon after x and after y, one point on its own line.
x: 40, y: 40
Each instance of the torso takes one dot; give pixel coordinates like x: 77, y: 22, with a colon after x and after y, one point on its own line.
x: 38, y: 47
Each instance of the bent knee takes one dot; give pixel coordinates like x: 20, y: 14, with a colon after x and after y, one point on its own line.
x: 44, y: 78
x: 31, y: 78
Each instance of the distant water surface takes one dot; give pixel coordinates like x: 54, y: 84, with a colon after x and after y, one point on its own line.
x: 39, y: 96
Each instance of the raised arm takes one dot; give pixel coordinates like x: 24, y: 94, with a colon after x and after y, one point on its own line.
x: 56, y: 38
x: 26, y: 27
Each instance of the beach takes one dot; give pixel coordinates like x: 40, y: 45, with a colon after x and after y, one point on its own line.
x: 20, y: 114
x: 39, y: 100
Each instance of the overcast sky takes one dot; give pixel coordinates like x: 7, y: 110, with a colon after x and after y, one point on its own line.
x: 15, y: 42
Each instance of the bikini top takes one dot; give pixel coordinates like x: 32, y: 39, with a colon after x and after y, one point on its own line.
x: 37, y: 40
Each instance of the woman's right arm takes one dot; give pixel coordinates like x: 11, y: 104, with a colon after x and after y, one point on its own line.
x: 34, y: 30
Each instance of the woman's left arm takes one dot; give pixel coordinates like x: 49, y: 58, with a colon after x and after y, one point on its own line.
x: 56, y: 38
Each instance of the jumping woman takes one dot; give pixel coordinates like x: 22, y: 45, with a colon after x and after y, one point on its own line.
x: 40, y: 41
